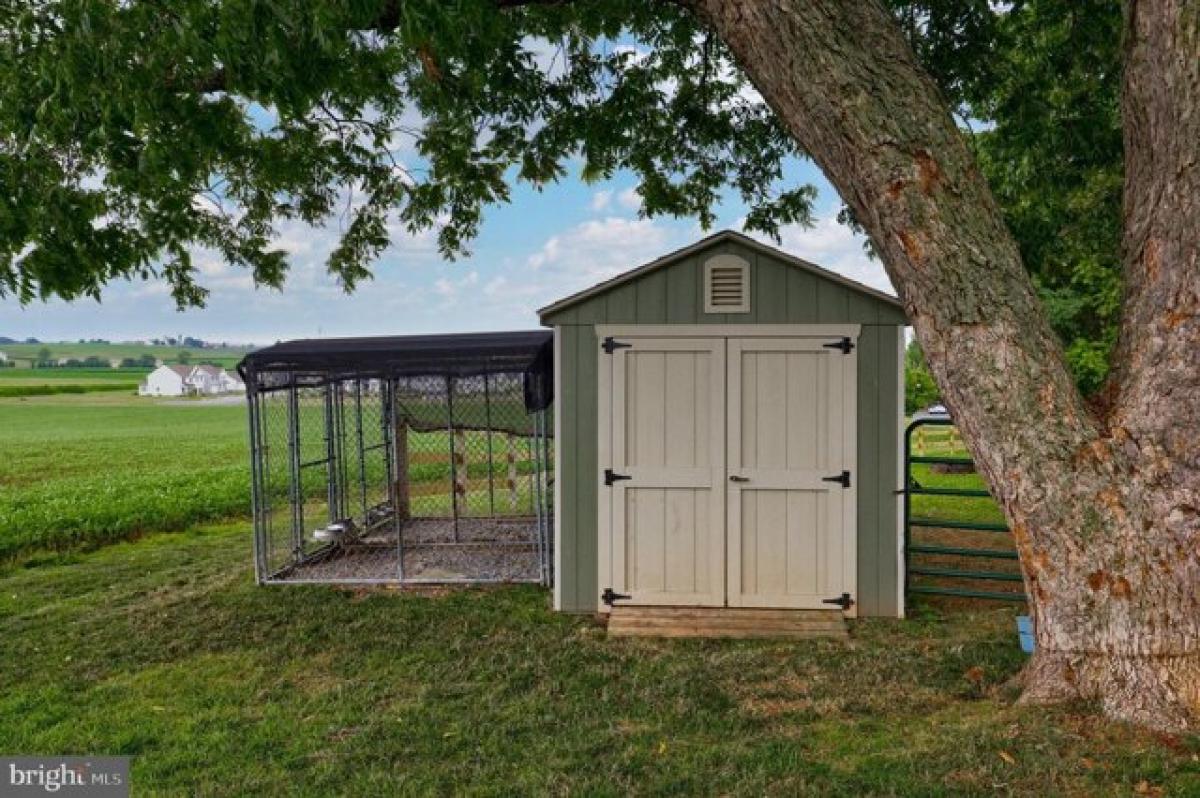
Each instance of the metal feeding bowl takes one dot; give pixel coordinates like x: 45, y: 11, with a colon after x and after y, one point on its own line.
x: 336, y: 532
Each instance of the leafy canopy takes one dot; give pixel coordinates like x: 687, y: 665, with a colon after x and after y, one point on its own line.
x: 135, y: 131
x: 1040, y: 82
x: 920, y: 391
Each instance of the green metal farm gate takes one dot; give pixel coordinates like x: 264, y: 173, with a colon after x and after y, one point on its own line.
x: 947, y: 552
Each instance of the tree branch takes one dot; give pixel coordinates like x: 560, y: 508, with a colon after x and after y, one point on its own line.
x: 386, y: 21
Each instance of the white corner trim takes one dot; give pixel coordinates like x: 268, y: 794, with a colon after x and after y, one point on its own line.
x: 604, y: 495
x: 558, y: 469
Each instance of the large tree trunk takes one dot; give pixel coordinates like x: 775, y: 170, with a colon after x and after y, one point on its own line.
x: 1105, y: 508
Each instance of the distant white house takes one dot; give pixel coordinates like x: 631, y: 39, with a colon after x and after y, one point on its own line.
x: 3, y: 357
x: 231, y: 382
x: 178, y: 380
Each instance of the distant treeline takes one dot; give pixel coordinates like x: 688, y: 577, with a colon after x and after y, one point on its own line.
x: 12, y: 391
x: 93, y: 362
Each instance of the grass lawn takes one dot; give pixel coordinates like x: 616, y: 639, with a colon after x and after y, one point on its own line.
x: 164, y: 649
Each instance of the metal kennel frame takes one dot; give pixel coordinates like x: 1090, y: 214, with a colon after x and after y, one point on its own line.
x: 405, y: 460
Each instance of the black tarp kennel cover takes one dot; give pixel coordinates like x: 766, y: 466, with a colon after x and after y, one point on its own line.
x: 315, y: 361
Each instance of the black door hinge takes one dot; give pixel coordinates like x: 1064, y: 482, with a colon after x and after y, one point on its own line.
x: 609, y: 596
x: 846, y: 345
x: 844, y: 601
x: 842, y: 478
x: 611, y: 345
x: 610, y: 477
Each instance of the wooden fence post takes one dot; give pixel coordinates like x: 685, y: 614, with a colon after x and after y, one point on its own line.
x: 403, y: 508
x: 460, y: 472
x: 510, y: 456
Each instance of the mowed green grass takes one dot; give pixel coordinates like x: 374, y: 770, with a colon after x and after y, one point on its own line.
x: 165, y: 650
x: 81, y: 471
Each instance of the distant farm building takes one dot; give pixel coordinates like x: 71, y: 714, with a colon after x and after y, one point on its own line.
x: 180, y: 380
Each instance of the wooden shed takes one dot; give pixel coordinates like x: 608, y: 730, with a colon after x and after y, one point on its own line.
x: 728, y: 434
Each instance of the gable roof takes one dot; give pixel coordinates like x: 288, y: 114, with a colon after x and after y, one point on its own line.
x: 181, y: 370
x: 716, y: 238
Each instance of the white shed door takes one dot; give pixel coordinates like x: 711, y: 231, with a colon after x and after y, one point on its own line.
x: 791, y: 539
x: 668, y: 440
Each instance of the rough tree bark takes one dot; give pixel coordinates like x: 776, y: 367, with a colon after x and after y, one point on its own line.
x: 1104, y: 504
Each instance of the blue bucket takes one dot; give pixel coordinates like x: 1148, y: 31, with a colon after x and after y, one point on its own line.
x: 1025, y: 633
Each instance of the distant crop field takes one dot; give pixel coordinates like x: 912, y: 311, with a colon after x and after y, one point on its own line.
x: 15, y: 388
x: 84, y: 470
x: 21, y: 376
x: 24, y: 353
x: 16, y: 382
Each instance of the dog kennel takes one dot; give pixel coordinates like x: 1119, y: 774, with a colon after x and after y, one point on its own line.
x: 402, y: 460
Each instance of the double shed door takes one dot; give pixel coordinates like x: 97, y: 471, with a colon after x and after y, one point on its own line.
x: 721, y: 452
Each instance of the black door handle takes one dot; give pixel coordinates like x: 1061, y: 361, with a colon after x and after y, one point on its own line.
x: 736, y: 478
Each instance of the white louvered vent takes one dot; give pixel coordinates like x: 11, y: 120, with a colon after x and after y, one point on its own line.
x: 726, y: 284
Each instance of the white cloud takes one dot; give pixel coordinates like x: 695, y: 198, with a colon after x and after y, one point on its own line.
x: 601, y: 200
x: 147, y: 290
x: 601, y: 247
x: 596, y: 250
x: 451, y: 289
x: 629, y: 199
x: 210, y: 265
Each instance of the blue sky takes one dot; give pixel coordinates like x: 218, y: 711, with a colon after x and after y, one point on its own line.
x: 542, y: 246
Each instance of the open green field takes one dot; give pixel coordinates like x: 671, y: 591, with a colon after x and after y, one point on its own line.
x: 165, y: 650
x: 24, y: 353
x: 91, y: 469
x: 85, y: 470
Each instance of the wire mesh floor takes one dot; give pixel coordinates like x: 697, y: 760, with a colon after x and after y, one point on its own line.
x: 482, y: 550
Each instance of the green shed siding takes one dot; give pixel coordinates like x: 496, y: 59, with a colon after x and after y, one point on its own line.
x: 781, y: 293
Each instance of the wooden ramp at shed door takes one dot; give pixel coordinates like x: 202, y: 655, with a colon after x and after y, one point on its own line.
x: 727, y: 622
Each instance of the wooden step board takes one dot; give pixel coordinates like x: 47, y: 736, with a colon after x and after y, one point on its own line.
x: 736, y: 622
